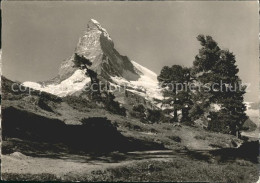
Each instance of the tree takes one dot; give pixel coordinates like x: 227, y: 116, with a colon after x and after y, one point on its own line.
x: 139, y: 111
x: 154, y: 115
x: 139, y: 108
x: 175, y: 81
x: 108, y: 98
x: 112, y: 105
x: 84, y: 63
x: 81, y: 61
x: 216, y: 68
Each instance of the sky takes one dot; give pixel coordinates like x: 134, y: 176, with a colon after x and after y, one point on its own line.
x: 38, y: 36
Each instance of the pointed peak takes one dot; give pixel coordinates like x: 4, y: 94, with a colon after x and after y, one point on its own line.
x: 94, y: 21
x: 94, y: 24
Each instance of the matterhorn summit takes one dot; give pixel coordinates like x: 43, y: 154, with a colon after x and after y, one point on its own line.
x: 97, y: 46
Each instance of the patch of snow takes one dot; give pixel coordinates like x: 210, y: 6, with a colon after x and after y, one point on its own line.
x: 258, y: 180
x: 142, y: 94
x: 94, y: 21
x: 32, y: 85
x: 145, y: 71
x: 215, y: 107
x: 252, y: 113
x: 68, y: 86
x: 119, y: 80
x: 147, y: 85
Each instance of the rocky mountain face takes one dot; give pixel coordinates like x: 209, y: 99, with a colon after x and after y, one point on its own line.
x: 97, y: 46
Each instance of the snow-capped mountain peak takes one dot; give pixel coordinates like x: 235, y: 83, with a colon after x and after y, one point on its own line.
x: 97, y: 46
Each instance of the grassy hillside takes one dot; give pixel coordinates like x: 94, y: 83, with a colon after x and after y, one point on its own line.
x: 45, y: 130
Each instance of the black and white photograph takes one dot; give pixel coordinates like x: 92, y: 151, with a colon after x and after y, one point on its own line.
x: 130, y: 91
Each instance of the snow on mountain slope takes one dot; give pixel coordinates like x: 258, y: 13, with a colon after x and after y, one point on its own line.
x: 253, y: 113
x: 69, y: 86
x: 250, y: 111
x: 147, y: 85
x: 144, y: 71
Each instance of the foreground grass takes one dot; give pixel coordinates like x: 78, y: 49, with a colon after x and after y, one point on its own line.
x: 178, y: 169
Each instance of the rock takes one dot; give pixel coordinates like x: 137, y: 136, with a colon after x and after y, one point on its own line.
x: 151, y: 167
x: 18, y: 155
x: 177, y: 125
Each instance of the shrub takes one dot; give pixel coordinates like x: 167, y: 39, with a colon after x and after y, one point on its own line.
x: 139, y: 108
x: 166, y: 118
x: 175, y: 138
x: 138, y: 115
x: 219, y: 123
x: 43, y: 105
x: 154, y: 116
x: 80, y: 103
x: 138, y: 111
x: 198, y: 137
x: 132, y: 126
x: 98, y: 122
x: 112, y: 105
x: 196, y: 112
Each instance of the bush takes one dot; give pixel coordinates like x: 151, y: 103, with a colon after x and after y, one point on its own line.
x: 166, y: 119
x: 139, y: 108
x: 79, y: 103
x: 112, y: 105
x: 154, y: 116
x: 139, y: 112
x: 138, y: 115
x: 196, y: 112
x: 132, y: 126
x: 198, y: 137
x: 43, y: 105
x: 98, y: 122
x: 175, y: 138
x: 219, y: 123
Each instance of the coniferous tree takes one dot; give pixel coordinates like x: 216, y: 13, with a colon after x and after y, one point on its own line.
x: 175, y: 81
x: 216, y: 71
x: 84, y: 63
x: 108, y: 98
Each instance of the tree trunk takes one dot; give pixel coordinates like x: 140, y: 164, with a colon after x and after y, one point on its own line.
x: 185, y: 115
x: 175, y: 118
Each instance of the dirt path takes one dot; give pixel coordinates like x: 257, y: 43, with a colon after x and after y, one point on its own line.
x: 75, y: 164
x: 192, y: 143
x: 79, y: 164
